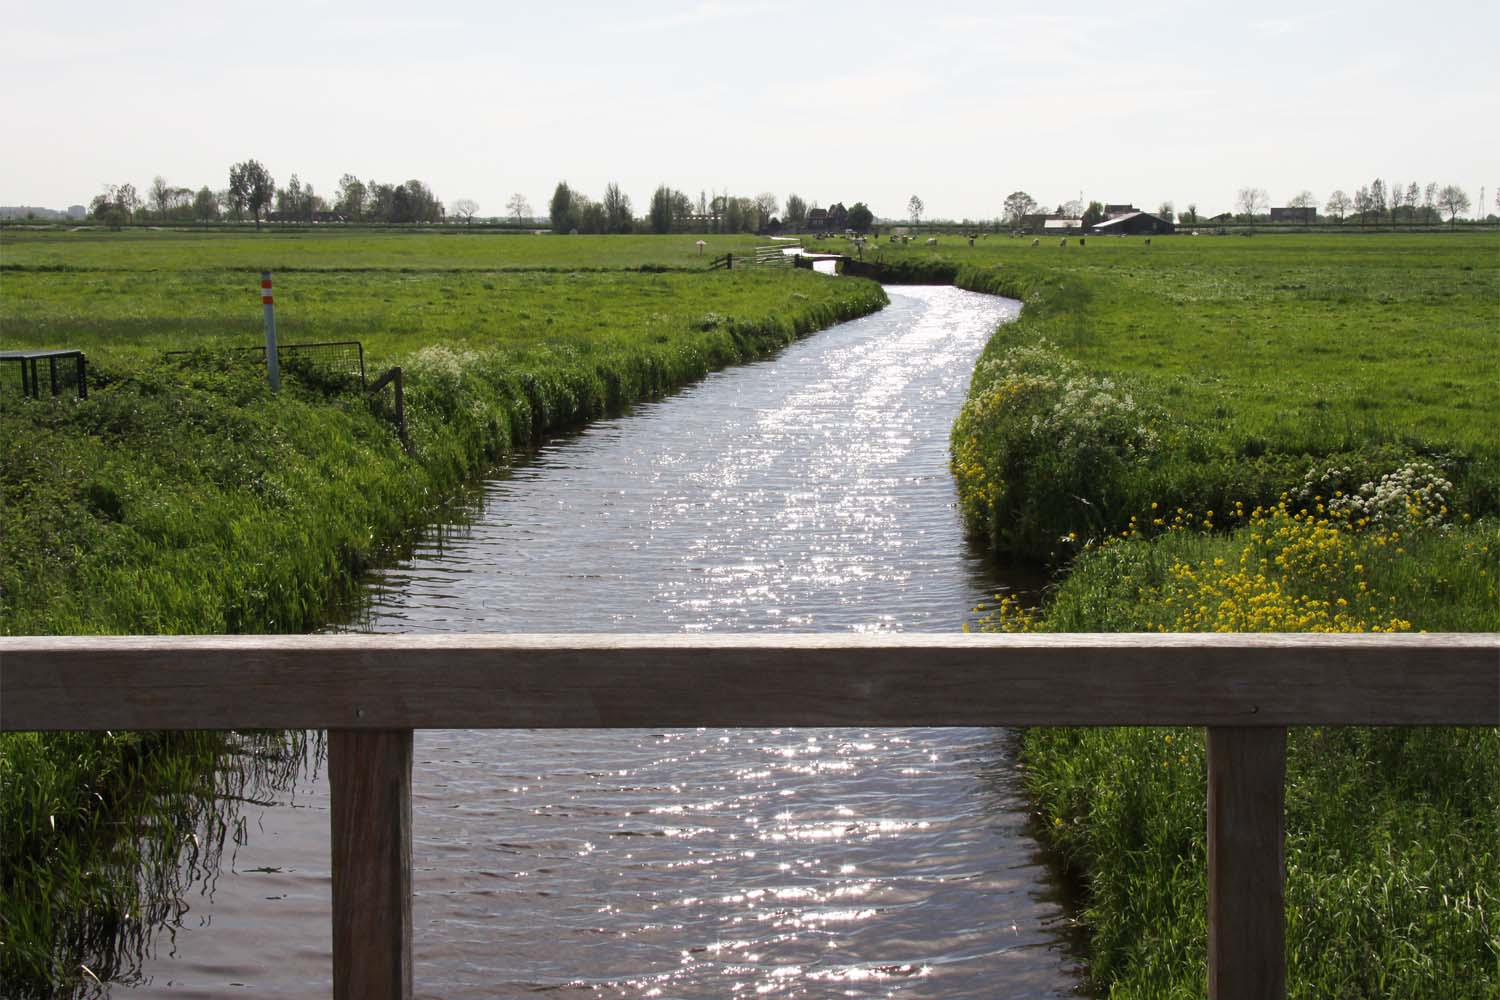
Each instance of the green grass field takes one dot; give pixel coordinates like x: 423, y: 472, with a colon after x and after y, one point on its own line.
x: 1210, y: 374
x: 335, y: 249
x: 183, y: 496
x: 1154, y: 428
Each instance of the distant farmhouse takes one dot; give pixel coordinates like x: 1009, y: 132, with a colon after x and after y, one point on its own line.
x: 1119, y: 220
x: 1133, y: 224
x: 1299, y: 216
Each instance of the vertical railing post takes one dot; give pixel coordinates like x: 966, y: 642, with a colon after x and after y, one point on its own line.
x: 369, y: 775
x: 1246, y: 863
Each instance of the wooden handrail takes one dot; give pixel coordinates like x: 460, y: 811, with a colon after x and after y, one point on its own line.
x: 372, y: 691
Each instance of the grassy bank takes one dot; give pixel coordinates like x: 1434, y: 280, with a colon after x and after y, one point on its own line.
x: 1255, y: 435
x: 183, y: 496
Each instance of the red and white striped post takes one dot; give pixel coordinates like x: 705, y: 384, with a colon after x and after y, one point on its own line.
x: 273, y: 363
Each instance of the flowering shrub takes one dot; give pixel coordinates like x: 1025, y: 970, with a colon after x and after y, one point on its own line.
x: 1041, y: 446
x: 1415, y: 495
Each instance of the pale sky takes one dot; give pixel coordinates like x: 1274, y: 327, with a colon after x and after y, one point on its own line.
x: 958, y: 102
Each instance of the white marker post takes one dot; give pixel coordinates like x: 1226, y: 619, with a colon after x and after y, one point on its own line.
x: 273, y: 363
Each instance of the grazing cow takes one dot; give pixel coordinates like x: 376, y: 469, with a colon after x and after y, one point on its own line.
x: 1063, y: 242
x: 1148, y: 241
x: 1036, y: 243
x: 1080, y: 241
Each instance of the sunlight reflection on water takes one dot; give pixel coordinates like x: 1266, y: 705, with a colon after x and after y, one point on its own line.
x: 805, y: 493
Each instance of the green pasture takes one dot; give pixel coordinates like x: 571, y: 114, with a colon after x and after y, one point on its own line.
x: 337, y: 249
x: 183, y: 496
x: 1268, y: 433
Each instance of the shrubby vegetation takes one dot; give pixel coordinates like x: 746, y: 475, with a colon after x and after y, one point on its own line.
x: 1256, y: 493
x: 183, y: 496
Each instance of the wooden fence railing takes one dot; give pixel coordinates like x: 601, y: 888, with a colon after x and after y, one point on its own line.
x: 372, y: 691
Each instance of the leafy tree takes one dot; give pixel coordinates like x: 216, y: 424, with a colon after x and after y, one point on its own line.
x: 914, y: 208
x: 592, y: 218
x: 115, y: 207
x: 1429, y: 202
x: 353, y: 197
x: 205, y: 205
x: 465, y: 209
x: 519, y: 207
x: 1339, y: 205
x: 617, y: 209
x: 563, y: 211
x: 682, y: 207
x: 796, y: 212
x: 1453, y: 200
x: 251, y: 187
x: 1190, y: 214
x: 661, y: 210
x: 1413, y: 199
x: 1377, y: 199
x: 160, y: 195
x: 1018, y: 205
x: 860, y: 217
x: 1093, y: 215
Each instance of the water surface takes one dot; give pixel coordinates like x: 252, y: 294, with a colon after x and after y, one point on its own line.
x: 805, y: 493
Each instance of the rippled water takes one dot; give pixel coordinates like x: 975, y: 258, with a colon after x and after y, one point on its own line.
x: 807, y: 493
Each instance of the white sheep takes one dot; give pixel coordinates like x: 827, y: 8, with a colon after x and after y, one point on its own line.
x: 932, y: 241
x: 1063, y: 242
x: 1036, y: 243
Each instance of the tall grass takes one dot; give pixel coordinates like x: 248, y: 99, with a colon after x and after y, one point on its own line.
x: 183, y: 496
x: 1268, y: 435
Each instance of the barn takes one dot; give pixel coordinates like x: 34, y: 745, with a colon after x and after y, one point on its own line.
x: 1133, y: 224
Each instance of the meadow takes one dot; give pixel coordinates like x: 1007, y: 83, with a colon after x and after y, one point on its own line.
x: 1152, y: 428
x: 333, y: 248
x: 184, y: 496
x: 1263, y: 434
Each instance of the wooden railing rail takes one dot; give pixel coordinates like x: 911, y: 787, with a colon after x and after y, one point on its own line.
x: 372, y: 691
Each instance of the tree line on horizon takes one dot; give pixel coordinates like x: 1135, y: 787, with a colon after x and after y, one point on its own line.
x: 252, y: 194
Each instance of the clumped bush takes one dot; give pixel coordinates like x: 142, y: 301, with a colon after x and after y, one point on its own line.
x: 1044, y: 451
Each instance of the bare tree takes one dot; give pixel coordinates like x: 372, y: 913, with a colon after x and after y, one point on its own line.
x: 1429, y: 202
x: 1338, y: 205
x: 1190, y: 214
x: 914, y: 208
x: 1251, y: 202
x: 1165, y: 210
x: 1453, y: 200
x: 519, y: 207
x: 465, y: 209
x: 765, y: 202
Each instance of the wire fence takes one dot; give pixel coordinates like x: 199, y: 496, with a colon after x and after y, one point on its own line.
x: 334, y: 365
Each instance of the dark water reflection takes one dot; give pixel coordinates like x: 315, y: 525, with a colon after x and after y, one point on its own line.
x: 806, y: 493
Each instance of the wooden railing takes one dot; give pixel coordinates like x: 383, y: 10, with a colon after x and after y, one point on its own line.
x: 372, y: 691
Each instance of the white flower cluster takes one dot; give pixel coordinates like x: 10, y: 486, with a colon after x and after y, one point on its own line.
x: 1414, y: 496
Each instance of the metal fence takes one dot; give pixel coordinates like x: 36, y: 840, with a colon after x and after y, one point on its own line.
x: 336, y: 363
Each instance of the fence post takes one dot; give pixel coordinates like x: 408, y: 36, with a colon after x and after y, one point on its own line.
x: 273, y: 361
x: 369, y: 775
x: 1246, y: 863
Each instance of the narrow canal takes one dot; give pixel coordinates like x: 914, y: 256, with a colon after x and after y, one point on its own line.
x: 805, y: 493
